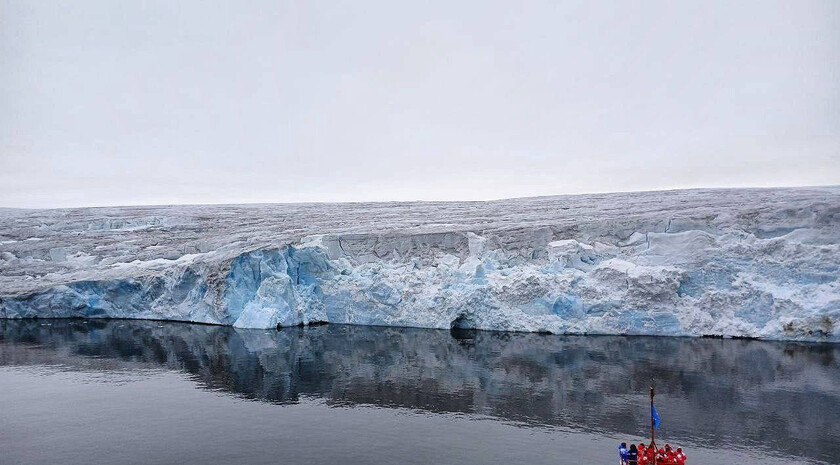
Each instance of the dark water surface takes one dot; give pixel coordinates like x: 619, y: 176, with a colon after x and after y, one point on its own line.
x: 126, y: 392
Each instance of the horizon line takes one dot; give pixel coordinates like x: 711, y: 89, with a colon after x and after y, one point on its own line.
x: 350, y: 202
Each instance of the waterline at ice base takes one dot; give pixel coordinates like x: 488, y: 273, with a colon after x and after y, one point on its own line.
x: 755, y: 263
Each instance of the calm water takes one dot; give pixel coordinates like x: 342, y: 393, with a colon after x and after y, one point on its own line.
x: 107, y: 392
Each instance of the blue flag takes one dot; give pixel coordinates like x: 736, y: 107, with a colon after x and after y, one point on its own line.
x: 654, y: 417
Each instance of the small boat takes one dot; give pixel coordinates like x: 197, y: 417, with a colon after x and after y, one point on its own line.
x: 650, y: 454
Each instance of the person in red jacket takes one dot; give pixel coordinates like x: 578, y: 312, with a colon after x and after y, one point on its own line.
x: 670, y: 458
x: 680, y: 456
x: 642, y: 453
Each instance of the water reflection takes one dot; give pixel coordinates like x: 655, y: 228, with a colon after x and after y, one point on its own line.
x: 783, y: 398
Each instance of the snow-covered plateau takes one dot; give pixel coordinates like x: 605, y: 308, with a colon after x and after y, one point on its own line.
x: 736, y: 262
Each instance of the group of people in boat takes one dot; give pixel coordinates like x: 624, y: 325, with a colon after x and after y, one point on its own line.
x: 642, y: 455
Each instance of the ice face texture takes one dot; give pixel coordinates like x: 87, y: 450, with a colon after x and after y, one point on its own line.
x: 741, y: 262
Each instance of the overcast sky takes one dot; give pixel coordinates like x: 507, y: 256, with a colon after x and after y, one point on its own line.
x: 150, y: 102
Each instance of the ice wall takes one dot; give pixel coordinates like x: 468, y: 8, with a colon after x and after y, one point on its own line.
x: 745, y: 271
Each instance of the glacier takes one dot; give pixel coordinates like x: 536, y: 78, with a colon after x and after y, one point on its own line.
x: 758, y: 263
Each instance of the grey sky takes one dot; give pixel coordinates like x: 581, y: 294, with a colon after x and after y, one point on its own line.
x: 141, y: 102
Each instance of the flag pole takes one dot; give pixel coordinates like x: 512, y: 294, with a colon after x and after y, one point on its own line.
x: 652, y: 427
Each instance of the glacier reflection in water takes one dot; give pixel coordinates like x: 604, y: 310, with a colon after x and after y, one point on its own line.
x: 771, y: 399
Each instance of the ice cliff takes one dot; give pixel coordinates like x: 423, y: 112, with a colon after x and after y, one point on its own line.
x: 743, y: 262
